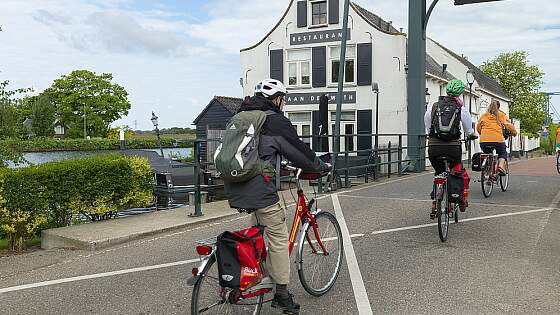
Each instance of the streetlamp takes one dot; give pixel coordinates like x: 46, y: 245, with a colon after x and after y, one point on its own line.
x: 154, y: 120
x: 470, y: 81
x: 375, y: 89
x: 427, y: 98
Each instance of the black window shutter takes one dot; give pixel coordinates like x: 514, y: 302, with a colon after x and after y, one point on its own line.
x: 319, y: 66
x: 315, y: 129
x: 333, y: 11
x: 365, y: 128
x: 364, y: 64
x: 277, y: 65
x: 302, y: 14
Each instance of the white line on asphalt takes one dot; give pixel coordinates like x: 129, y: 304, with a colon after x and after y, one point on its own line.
x: 463, y: 220
x: 426, y: 200
x: 94, y: 276
x: 360, y: 293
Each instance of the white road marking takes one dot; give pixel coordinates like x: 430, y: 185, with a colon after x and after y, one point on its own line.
x: 360, y: 293
x: 94, y: 276
x: 355, y: 275
x: 426, y: 200
x: 463, y: 220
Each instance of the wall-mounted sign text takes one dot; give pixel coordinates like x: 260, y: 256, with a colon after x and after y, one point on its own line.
x: 313, y: 98
x: 317, y: 37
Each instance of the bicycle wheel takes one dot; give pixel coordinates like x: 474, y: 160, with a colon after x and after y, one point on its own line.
x: 443, y: 217
x: 486, y: 179
x: 504, y: 179
x: 318, y: 272
x: 456, y: 213
x: 209, y: 297
x: 558, y: 162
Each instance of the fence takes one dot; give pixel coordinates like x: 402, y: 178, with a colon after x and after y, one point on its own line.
x: 387, y: 155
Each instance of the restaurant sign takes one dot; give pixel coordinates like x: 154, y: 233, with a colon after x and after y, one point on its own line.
x: 318, y: 37
x: 348, y: 97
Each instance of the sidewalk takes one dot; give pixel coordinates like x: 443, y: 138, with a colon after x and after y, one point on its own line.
x: 94, y: 236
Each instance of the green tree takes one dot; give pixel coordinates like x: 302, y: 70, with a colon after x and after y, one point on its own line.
x: 521, y: 83
x: 43, y: 115
x: 85, y: 91
x: 12, y: 111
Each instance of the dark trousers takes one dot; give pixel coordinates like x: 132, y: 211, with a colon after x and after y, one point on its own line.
x: 500, y: 147
x: 452, y: 152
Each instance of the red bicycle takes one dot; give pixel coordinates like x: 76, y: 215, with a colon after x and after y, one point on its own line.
x: 319, y: 259
x: 490, y: 176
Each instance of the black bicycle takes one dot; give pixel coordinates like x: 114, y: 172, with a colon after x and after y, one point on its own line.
x: 446, y: 209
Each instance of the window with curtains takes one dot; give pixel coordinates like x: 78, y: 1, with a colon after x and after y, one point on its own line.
x: 298, y: 62
x: 318, y: 12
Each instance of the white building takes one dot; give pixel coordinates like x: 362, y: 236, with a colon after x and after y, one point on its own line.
x: 302, y: 50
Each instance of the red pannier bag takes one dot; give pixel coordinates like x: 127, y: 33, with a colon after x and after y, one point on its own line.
x: 462, y: 172
x: 239, y: 256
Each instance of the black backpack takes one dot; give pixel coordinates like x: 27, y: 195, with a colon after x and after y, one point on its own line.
x: 446, y: 120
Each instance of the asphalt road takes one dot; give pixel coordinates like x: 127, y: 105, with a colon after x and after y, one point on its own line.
x: 503, y: 258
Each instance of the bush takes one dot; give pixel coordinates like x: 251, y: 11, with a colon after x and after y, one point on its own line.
x: 50, y: 194
x: 47, y: 144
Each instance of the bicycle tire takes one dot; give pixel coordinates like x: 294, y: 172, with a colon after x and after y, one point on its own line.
x: 239, y: 308
x: 443, y: 217
x: 456, y: 214
x: 486, y: 180
x: 303, y: 273
x: 504, y: 179
x: 558, y: 162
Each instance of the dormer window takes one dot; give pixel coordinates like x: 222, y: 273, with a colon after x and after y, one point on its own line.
x: 318, y: 13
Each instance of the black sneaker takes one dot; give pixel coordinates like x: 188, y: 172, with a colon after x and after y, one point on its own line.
x: 286, y: 303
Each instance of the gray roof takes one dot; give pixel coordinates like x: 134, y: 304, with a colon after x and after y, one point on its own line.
x: 231, y: 104
x: 375, y: 20
x: 434, y: 68
x: 483, y: 80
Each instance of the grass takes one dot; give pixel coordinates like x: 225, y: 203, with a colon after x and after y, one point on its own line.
x: 35, y: 241
x: 151, y: 136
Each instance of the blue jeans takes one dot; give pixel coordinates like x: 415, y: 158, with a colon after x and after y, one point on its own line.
x: 500, y: 147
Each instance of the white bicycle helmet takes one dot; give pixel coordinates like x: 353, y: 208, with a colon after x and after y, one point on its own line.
x: 270, y: 88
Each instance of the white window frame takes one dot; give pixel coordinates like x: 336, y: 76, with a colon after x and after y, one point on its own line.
x: 299, y: 75
x: 299, y: 126
x: 343, y: 124
x: 310, y: 14
x: 333, y: 58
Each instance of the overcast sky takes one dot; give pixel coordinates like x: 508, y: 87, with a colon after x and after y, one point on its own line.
x: 173, y: 56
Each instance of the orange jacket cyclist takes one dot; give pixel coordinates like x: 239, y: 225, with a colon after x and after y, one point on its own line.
x: 490, y: 127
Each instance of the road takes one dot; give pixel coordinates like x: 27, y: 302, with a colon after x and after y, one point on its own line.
x: 503, y: 257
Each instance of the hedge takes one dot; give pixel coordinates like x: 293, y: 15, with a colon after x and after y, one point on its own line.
x: 51, y: 194
x: 48, y: 144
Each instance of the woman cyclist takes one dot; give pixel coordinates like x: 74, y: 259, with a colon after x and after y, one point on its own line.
x: 490, y: 127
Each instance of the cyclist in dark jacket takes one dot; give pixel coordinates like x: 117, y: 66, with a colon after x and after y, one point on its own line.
x: 278, y: 138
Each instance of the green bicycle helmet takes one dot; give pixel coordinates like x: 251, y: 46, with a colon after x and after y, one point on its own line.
x: 455, y: 88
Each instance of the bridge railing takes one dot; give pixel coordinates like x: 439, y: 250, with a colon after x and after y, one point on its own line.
x: 370, y: 156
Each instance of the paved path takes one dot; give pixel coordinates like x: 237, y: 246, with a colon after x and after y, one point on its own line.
x: 503, y: 257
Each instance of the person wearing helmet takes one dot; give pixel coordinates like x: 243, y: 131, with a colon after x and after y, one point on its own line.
x: 278, y: 138
x: 442, y: 123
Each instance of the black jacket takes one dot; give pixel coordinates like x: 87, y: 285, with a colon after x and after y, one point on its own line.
x: 278, y: 137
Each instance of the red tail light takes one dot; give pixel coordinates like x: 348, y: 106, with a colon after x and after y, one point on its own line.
x: 203, y: 250
x: 194, y: 271
x: 439, y: 181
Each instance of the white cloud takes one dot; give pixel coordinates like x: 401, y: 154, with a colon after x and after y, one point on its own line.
x: 174, y: 61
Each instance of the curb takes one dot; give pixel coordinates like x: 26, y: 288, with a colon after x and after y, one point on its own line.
x: 51, y: 240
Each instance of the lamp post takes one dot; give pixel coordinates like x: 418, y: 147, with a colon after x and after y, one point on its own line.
x: 154, y: 120
x: 470, y: 81
x: 375, y: 90
x: 427, y: 98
